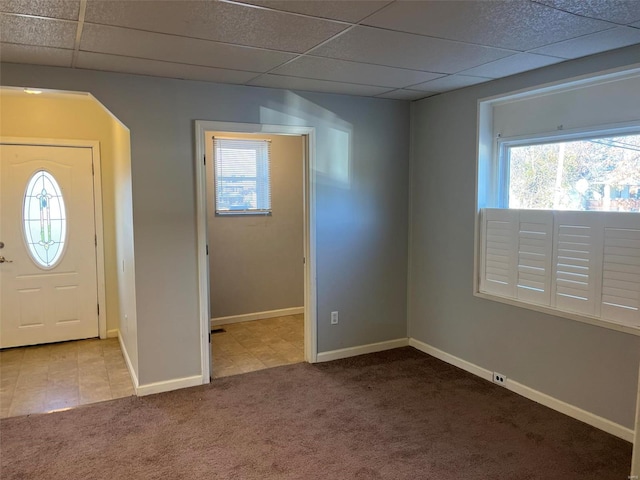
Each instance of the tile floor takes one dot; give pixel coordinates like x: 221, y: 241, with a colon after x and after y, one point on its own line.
x: 249, y: 346
x: 50, y: 377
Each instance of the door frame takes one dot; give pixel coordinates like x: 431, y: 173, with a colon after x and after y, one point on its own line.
x: 94, y: 145
x: 308, y: 135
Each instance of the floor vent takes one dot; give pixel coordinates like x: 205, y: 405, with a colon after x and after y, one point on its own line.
x: 217, y: 330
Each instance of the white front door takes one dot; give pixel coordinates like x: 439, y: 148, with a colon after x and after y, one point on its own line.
x: 48, y: 276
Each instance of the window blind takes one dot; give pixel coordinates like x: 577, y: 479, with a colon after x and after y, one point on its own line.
x: 242, y: 176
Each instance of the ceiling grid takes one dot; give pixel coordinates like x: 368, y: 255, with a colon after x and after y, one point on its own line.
x: 392, y: 49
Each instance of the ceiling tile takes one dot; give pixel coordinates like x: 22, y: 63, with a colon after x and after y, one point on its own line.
x: 595, y: 43
x: 513, y: 24
x: 452, y: 82
x: 115, y: 63
x: 37, y: 31
x: 353, y: 72
x: 295, y: 83
x: 56, y: 57
x: 512, y: 65
x: 220, y: 21
x: 65, y: 9
x: 345, y: 10
x: 158, y: 46
x: 405, y: 50
x: 618, y: 11
x: 406, y: 95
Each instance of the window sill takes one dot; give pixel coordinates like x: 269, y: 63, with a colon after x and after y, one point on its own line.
x: 611, y: 325
x: 243, y: 213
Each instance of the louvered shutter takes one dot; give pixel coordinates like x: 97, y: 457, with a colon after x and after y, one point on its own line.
x: 577, y: 261
x: 535, y: 249
x: 621, y: 269
x: 498, y: 267
x: 581, y: 262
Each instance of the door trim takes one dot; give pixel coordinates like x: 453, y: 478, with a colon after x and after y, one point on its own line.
x: 94, y: 145
x: 308, y: 135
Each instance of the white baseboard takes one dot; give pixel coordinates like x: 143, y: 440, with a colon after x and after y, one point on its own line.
x: 113, y: 333
x: 156, y: 387
x: 453, y: 360
x: 127, y: 360
x: 528, y: 392
x: 248, y: 317
x: 362, y: 349
x: 168, y: 385
x: 571, y: 410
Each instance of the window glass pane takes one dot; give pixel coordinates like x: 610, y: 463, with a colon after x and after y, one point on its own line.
x: 242, y: 180
x: 600, y: 174
x: 44, y: 219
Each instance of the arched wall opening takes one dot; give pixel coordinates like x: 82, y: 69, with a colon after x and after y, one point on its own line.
x: 53, y: 115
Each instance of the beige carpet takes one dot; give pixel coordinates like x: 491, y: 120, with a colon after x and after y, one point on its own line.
x: 393, y: 415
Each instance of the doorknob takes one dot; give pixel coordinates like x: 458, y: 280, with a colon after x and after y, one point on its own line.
x: 4, y: 260
x: 1, y: 244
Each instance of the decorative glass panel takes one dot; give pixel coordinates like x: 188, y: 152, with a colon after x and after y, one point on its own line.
x: 44, y: 219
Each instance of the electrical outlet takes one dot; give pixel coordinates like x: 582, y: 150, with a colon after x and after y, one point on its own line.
x: 334, y: 318
x: 499, y: 378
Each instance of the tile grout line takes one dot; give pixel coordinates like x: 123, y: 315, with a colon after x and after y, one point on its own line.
x: 70, y: 395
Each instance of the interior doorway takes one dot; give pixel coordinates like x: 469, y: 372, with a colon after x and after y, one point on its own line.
x: 255, y: 227
x: 249, y: 326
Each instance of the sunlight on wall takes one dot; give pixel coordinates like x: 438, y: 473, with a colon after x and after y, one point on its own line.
x: 333, y: 163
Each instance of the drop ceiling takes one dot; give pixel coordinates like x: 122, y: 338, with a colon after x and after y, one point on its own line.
x: 391, y: 49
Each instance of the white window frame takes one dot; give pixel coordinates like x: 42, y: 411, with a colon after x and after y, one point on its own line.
x: 245, y: 211
x: 492, y: 176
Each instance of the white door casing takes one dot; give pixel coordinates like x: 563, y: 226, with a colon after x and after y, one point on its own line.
x: 40, y: 304
x: 310, y: 287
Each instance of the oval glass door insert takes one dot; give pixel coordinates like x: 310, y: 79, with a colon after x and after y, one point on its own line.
x: 44, y: 219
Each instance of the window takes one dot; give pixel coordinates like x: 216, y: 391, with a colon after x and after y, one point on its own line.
x: 44, y: 220
x: 587, y: 174
x: 569, y: 237
x: 242, y: 176
x: 559, y: 200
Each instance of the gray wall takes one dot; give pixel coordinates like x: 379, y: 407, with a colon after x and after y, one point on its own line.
x: 255, y: 262
x: 361, y: 203
x: 588, y: 366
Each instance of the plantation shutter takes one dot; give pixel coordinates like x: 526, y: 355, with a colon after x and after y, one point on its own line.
x: 499, y: 251
x: 517, y: 253
x: 242, y: 176
x: 621, y: 269
x: 577, y: 261
x: 535, y: 249
x: 582, y: 262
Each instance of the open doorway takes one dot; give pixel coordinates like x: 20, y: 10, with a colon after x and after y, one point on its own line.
x: 64, y: 165
x: 263, y: 325
x: 255, y: 228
